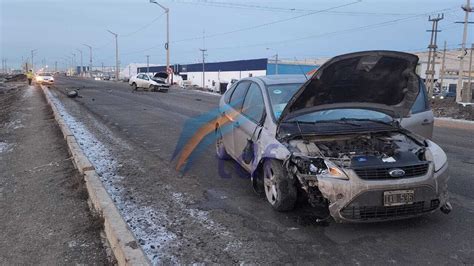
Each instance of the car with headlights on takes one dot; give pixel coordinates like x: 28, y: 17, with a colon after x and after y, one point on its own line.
x: 344, y: 139
x: 44, y: 78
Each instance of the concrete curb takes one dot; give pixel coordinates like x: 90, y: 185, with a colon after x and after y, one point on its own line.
x: 124, y: 246
x: 454, y: 123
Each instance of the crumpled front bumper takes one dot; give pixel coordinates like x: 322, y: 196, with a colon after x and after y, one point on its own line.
x: 358, y: 200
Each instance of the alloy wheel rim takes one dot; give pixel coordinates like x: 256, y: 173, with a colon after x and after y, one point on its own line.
x: 270, y: 185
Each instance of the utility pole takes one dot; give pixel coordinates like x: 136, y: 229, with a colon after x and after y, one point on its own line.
x: 74, y: 65
x: 117, y: 65
x: 32, y: 59
x: 82, y: 65
x: 443, y: 68
x: 90, y: 59
x: 203, y: 67
x: 102, y: 67
x: 276, y: 64
x: 430, y: 69
x: 147, y: 64
x: 460, y: 95
x: 55, y: 66
x: 167, y: 44
x: 469, y: 90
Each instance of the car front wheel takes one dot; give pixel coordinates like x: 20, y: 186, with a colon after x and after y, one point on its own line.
x: 134, y: 86
x: 280, y: 190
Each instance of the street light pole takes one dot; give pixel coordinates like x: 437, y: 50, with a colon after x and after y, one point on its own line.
x: 74, y: 67
x: 167, y: 44
x: 147, y: 64
x: 117, y: 66
x: 460, y: 86
x: 82, y: 65
x: 32, y: 62
x: 90, y: 59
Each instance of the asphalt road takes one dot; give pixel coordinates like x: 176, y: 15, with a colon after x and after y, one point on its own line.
x: 150, y: 125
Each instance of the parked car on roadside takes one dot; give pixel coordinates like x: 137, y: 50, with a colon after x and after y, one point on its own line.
x: 44, y: 78
x: 336, y: 139
x: 155, y: 83
x: 445, y: 95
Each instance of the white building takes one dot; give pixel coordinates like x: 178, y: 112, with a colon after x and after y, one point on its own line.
x: 218, y: 75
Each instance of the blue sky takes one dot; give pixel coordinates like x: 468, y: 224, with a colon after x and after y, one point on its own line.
x: 58, y: 27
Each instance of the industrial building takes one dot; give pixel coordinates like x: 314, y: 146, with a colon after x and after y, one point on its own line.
x: 216, y: 76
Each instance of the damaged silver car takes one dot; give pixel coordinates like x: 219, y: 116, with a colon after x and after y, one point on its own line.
x: 336, y: 139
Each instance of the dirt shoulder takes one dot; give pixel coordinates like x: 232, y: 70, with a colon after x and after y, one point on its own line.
x: 448, y: 108
x: 45, y: 217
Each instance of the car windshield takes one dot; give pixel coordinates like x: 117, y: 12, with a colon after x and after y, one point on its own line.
x: 45, y: 74
x: 342, y: 114
x: 280, y: 95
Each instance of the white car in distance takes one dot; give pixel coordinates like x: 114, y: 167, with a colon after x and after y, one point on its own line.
x: 156, y: 82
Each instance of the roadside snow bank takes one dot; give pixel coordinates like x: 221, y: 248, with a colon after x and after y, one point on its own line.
x: 145, y: 223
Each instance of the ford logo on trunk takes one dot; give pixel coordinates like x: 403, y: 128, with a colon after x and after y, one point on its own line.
x: 396, y: 173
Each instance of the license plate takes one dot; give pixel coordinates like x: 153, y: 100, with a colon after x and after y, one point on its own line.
x: 398, y: 197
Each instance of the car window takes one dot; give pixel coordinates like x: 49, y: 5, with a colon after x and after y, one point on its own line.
x: 228, y: 93
x: 279, y: 95
x: 254, y: 107
x: 140, y: 76
x: 145, y: 77
x: 421, y: 103
x: 237, y: 98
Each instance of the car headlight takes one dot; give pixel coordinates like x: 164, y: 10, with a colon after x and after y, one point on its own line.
x: 441, y: 97
x: 436, y: 155
x: 333, y: 171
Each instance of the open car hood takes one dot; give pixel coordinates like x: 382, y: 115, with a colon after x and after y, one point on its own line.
x: 383, y: 81
x: 161, y: 75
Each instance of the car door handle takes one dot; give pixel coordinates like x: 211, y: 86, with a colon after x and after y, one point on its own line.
x: 427, y: 122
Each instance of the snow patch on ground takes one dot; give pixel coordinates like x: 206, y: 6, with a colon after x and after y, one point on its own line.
x: 5, y: 147
x: 16, y: 124
x: 146, y: 223
x: 202, y: 217
x: 29, y: 92
x: 205, y: 92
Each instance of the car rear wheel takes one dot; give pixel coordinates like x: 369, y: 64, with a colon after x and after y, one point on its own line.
x: 220, y: 148
x: 280, y: 190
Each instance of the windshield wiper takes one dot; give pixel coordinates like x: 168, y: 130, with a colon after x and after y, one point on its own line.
x: 342, y: 121
x: 371, y: 120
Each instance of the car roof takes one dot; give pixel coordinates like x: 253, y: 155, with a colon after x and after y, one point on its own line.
x: 281, y: 79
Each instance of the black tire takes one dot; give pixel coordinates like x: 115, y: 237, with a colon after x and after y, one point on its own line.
x: 134, y: 86
x: 220, y: 148
x: 152, y: 88
x: 280, y: 189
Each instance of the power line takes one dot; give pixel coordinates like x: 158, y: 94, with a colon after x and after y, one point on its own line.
x: 267, y: 23
x: 280, y: 9
x: 143, y: 27
x: 244, y: 29
x: 350, y: 30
